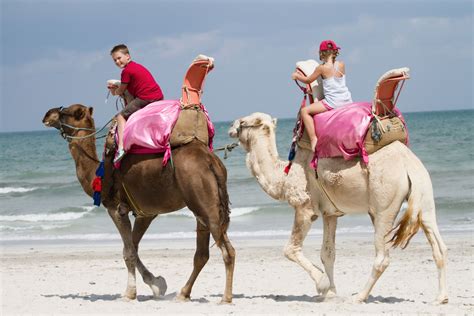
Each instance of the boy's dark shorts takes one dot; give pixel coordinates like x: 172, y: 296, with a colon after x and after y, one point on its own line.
x: 135, y: 105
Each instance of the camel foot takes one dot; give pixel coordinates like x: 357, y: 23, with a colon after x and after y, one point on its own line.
x: 225, y: 301
x: 322, y: 286
x: 130, y: 294
x: 358, y: 299
x: 440, y: 300
x: 182, y: 298
x: 158, y: 286
x: 331, y: 293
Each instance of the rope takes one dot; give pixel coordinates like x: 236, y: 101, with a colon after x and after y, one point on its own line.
x: 227, y: 148
x: 135, y: 206
x: 84, y: 129
x: 325, y: 193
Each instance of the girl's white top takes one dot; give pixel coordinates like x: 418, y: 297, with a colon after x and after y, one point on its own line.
x: 336, y: 92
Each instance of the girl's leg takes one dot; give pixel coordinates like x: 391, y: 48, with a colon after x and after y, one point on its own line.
x: 307, y: 117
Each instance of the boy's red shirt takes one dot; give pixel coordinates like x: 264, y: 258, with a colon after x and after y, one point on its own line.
x: 141, y: 83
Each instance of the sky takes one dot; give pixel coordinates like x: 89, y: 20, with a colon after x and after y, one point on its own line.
x: 56, y: 52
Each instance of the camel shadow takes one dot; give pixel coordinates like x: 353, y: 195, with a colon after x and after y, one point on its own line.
x: 387, y: 300
x: 319, y: 299
x: 115, y: 297
x: 275, y: 297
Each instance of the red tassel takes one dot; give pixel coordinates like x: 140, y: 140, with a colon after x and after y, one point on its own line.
x: 288, y: 167
x: 97, y: 184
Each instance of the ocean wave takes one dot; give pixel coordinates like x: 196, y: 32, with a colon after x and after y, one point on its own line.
x: 4, y: 228
x: 15, y: 190
x: 192, y: 234
x: 42, y: 217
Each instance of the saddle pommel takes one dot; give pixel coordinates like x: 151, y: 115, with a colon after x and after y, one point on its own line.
x: 384, y: 97
x: 192, y: 89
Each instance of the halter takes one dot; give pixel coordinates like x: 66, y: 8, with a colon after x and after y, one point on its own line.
x: 67, y: 137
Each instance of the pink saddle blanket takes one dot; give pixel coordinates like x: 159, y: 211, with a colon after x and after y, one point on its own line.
x: 341, y: 132
x: 149, y: 129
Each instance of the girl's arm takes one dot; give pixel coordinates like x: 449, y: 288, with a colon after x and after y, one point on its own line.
x: 307, y: 79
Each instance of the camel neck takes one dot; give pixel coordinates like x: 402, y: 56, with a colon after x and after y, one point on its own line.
x: 266, y: 166
x: 84, y: 154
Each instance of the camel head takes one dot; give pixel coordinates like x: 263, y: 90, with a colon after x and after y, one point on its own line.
x: 247, y: 129
x: 69, y: 119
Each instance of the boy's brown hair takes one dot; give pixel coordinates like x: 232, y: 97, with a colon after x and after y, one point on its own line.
x: 120, y: 48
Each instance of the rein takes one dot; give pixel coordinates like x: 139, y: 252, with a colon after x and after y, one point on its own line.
x: 74, y: 128
x: 227, y: 149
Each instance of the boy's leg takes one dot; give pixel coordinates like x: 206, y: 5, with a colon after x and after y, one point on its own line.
x: 133, y: 106
x: 120, y: 126
x: 307, y: 117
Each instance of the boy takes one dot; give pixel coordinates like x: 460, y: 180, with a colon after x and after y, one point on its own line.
x: 139, y: 83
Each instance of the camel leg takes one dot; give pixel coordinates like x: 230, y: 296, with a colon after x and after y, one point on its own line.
x: 382, y: 226
x: 304, y: 217
x: 228, y: 254
x: 328, y: 251
x: 122, y: 222
x: 439, y: 252
x: 200, y: 259
x: 157, y: 284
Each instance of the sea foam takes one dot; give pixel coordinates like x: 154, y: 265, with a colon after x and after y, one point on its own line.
x: 44, y: 217
x: 15, y: 190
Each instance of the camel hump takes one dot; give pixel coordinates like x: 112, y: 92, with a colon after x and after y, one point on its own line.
x: 193, y: 84
x: 385, y: 89
x: 192, y: 124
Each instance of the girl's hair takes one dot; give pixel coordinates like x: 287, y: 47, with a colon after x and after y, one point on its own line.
x: 324, y: 55
x: 120, y: 48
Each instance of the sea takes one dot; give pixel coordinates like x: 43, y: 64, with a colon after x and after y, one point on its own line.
x: 41, y: 200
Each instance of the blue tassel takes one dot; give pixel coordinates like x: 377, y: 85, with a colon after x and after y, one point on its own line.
x: 97, y: 183
x: 292, y: 152
x: 96, y: 198
x: 100, y: 170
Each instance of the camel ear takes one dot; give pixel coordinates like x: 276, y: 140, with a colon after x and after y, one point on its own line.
x: 91, y: 110
x: 274, y: 121
x: 78, y: 114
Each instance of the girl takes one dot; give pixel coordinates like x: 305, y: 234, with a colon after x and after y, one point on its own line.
x: 336, y: 94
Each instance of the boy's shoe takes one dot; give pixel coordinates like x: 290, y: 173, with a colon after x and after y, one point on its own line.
x: 120, y: 155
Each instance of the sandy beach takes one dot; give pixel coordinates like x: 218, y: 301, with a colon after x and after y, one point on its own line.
x: 90, y: 278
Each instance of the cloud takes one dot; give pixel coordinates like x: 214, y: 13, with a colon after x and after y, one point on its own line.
x: 428, y: 36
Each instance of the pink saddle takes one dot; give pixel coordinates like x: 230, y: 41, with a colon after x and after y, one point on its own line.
x: 341, y: 132
x: 149, y: 129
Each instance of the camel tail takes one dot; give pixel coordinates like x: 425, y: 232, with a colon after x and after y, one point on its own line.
x: 406, y: 227
x: 220, y: 173
x: 420, y: 200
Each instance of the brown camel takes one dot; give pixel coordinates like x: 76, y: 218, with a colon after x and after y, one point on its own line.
x: 196, y: 179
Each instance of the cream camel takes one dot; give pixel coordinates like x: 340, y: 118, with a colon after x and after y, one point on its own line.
x: 394, y: 174
x: 197, y: 180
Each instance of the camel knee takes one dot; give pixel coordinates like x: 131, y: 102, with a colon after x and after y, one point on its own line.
x: 201, y: 258
x: 328, y: 255
x: 228, y: 254
x: 381, y: 263
x: 441, y: 256
x: 291, y: 252
x: 130, y: 256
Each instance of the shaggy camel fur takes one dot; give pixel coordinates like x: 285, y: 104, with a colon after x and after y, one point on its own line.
x: 394, y: 174
x: 198, y: 181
